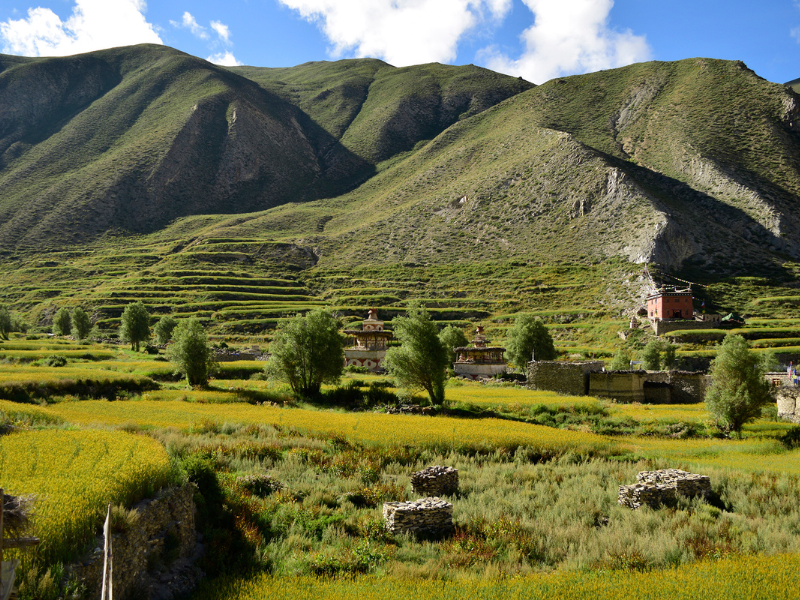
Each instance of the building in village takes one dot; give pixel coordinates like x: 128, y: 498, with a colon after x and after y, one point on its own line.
x: 369, y: 343
x: 479, y: 360
x: 670, y: 303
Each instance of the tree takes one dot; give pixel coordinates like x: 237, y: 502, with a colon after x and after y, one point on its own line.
x: 420, y: 362
x: 135, y: 325
x: 651, y: 355
x: 62, y: 322
x: 738, y: 389
x: 452, y: 337
x: 770, y: 361
x: 668, y: 356
x: 163, y: 329
x: 190, y: 352
x: 528, y: 340
x: 81, y: 323
x: 621, y: 360
x: 307, y: 351
x: 5, y: 322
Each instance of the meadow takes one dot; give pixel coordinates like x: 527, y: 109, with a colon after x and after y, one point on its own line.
x: 536, y: 512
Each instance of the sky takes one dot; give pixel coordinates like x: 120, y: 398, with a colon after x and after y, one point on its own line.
x: 535, y: 39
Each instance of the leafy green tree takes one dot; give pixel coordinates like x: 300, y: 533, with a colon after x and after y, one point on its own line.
x: 135, y: 325
x: 191, y: 353
x: 621, y: 360
x: 5, y: 322
x: 420, y: 362
x: 163, y: 329
x: 651, y: 355
x: 62, y: 322
x: 770, y: 362
x: 528, y: 340
x: 738, y: 389
x: 307, y: 351
x: 81, y: 323
x: 452, y: 337
x: 668, y: 356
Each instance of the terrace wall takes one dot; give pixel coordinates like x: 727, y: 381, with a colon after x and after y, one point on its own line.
x: 563, y: 377
x: 165, y: 524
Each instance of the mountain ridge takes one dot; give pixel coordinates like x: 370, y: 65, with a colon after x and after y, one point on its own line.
x: 694, y: 163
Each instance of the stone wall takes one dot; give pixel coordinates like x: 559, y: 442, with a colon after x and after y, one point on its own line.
x: 655, y: 387
x: 655, y: 488
x: 623, y: 386
x: 563, y: 377
x: 435, y: 481
x: 667, y: 325
x: 430, y: 515
x: 788, y: 398
x: 164, y: 530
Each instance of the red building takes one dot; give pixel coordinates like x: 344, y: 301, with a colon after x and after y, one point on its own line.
x: 670, y: 303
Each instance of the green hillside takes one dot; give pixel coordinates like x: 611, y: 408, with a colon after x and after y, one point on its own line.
x: 241, y: 195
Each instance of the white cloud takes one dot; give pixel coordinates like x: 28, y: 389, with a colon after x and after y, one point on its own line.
x: 222, y: 30
x: 795, y: 33
x: 226, y: 59
x: 402, y: 32
x: 189, y: 22
x: 93, y: 25
x: 568, y: 37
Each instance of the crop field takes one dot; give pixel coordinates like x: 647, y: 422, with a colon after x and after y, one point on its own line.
x: 74, y: 476
x: 749, y: 577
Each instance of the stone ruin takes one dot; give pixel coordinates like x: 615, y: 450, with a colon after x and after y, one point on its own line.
x: 655, y: 488
x: 426, y: 515
x: 435, y: 481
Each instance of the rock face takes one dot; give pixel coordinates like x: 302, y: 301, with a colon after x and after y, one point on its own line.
x: 429, y: 515
x: 435, y: 481
x: 655, y: 488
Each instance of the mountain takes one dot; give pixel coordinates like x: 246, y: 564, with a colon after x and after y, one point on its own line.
x: 130, y: 139
x: 692, y: 164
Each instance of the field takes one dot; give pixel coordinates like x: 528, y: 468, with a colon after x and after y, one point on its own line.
x: 536, y: 509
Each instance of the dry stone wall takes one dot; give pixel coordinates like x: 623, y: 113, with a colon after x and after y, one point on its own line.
x: 429, y: 515
x: 165, y: 526
x: 563, y: 377
x: 788, y: 398
x: 435, y: 481
x: 655, y: 488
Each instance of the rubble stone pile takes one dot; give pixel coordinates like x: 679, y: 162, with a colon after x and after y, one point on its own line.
x: 430, y: 515
x: 655, y: 488
x: 435, y: 481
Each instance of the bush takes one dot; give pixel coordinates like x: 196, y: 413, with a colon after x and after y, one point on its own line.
x: 621, y: 360
x: 651, y: 355
x: 55, y: 361
x: 5, y: 322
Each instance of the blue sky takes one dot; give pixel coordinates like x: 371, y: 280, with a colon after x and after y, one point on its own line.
x: 537, y: 39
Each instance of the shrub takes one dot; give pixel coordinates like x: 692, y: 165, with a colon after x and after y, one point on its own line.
x: 5, y: 322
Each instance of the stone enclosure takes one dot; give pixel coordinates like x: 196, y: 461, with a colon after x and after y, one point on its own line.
x: 655, y: 488
x: 435, y: 481
x: 428, y: 515
x: 788, y: 403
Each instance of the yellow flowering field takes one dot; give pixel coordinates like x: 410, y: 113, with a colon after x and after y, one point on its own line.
x: 74, y: 475
x: 652, y: 412
x: 752, y: 577
x: 370, y: 428
x: 477, y: 393
x: 75, y: 371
